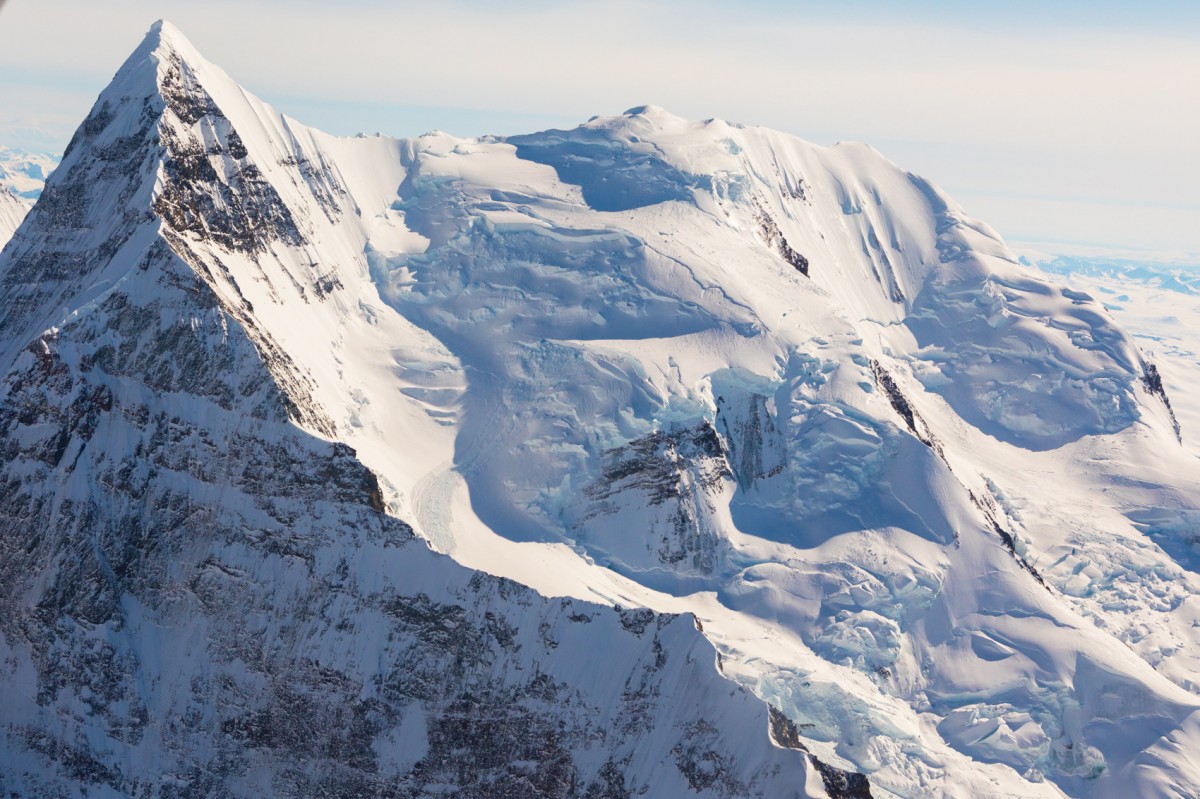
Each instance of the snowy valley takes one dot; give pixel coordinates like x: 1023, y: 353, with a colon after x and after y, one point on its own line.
x: 655, y: 457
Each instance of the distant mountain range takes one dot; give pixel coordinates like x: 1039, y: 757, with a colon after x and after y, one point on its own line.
x: 1169, y: 276
x: 25, y: 173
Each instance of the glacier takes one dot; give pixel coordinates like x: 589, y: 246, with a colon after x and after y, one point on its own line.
x: 653, y: 457
x: 1155, y: 298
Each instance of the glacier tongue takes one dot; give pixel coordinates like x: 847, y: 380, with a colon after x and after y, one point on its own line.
x: 916, y: 497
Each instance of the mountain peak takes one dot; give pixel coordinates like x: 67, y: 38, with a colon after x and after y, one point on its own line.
x: 649, y: 110
x: 142, y: 73
x: 163, y: 36
x: 654, y: 117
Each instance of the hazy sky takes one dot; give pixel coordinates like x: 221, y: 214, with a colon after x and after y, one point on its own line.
x: 1067, y: 122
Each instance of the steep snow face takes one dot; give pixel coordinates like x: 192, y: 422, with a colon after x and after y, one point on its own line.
x: 203, y: 593
x: 12, y: 211
x: 928, y: 505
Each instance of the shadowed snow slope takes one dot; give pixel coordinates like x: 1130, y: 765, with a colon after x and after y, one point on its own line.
x: 931, y: 508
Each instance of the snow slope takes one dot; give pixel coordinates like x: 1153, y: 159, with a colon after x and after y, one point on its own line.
x: 1158, y: 302
x: 12, y: 211
x: 931, y: 507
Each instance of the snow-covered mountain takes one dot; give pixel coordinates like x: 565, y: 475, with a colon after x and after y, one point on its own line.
x: 1158, y: 302
x: 12, y: 211
x: 22, y: 177
x: 24, y: 173
x: 1179, y: 276
x: 929, y: 507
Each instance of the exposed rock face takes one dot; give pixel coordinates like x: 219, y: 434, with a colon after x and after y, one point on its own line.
x: 210, y: 188
x: 770, y: 233
x: 665, y: 484
x: 838, y: 783
x: 1152, y: 380
x: 201, y: 596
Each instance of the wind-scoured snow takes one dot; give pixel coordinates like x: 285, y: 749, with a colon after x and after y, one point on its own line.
x: 931, y: 507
